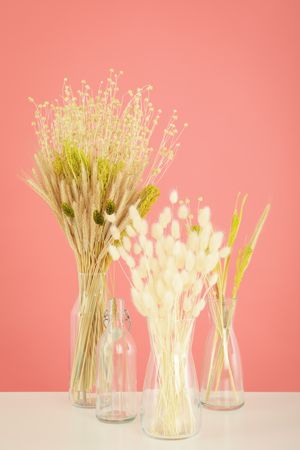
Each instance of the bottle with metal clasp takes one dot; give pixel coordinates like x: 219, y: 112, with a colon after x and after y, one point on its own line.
x: 116, y: 367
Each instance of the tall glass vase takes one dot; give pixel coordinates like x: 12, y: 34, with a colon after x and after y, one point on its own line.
x: 171, y: 400
x: 86, y: 329
x: 116, y: 367
x: 222, y: 378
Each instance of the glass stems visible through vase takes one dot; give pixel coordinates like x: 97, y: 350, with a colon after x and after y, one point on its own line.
x: 171, y: 400
x: 222, y: 380
x: 86, y: 329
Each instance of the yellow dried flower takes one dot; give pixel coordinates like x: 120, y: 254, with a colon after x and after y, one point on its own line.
x: 117, y: 168
x: 196, y: 228
x: 236, y: 220
x: 58, y: 165
x: 74, y: 158
x: 70, y: 161
x: 241, y: 266
x: 108, y: 171
x: 148, y: 196
x: 104, y: 171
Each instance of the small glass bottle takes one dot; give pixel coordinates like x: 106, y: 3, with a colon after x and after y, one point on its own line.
x: 116, y: 368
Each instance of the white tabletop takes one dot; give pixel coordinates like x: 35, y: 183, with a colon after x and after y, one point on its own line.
x: 47, y: 421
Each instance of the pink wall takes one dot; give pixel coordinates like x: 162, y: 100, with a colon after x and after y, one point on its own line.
x: 232, y: 70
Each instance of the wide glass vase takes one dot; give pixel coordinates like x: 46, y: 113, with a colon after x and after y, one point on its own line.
x: 171, y: 399
x: 116, y: 367
x: 86, y: 329
x: 222, y: 377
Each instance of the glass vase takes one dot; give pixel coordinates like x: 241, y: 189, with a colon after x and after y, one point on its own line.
x: 222, y: 378
x: 171, y: 399
x: 86, y: 329
x: 116, y: 367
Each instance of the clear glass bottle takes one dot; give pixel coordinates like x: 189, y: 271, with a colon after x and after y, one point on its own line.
x: 171, y: 397
x: 222, y: 377
x: 116, y: 368
x: 86, y: 329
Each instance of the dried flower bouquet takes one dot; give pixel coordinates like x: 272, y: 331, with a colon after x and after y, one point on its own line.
x: 94, y: 159
x: 172, y: 272
x: 222, y: 365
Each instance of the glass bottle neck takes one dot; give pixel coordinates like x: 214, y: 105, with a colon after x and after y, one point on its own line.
x: 116, y: 313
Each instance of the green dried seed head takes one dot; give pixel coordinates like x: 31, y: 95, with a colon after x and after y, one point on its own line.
x: 110, y: 207
x: 68, y: 210
x: 196, y: 228
x: 98, y: 217
x: 58, y: 165
x: 148, y: 196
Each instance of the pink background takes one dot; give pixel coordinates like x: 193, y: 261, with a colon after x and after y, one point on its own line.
x: 232, y: 70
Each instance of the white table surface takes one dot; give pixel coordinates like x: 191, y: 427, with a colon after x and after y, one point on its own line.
x: 47, y: 421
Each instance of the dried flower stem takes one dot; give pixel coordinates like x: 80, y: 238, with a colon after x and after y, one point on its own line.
x: 171, y: 343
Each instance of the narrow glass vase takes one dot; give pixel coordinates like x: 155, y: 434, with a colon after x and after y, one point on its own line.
x: 171, y: 399
x: 222, y: 378
x: 116, y: 367
x: 86, y: 329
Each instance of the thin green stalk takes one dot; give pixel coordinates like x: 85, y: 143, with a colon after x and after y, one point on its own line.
x: 223, y: 316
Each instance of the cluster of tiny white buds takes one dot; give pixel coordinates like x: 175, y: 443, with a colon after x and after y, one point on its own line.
x: 73, y: 117
x: 171, y: 270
